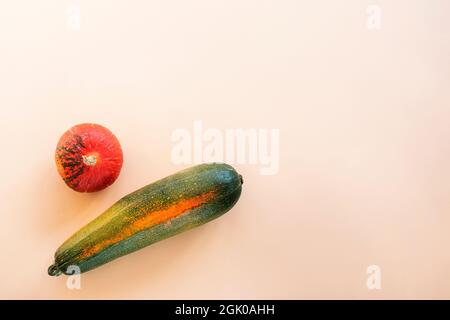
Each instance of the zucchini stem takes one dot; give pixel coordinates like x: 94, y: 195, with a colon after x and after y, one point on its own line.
x: 54, y: 271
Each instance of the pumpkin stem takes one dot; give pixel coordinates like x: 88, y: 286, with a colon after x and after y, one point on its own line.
x: 54, y: 271
x: 90, y: 160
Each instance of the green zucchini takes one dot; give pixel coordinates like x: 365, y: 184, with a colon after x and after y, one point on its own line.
x: 155, y: 212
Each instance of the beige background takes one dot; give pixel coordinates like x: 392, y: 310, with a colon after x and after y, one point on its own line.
x: 364, y: 150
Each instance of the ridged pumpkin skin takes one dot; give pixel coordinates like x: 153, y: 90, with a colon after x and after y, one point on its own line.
x: 160, y: 210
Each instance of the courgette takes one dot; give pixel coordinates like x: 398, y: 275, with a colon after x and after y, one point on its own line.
x: 155, y: 212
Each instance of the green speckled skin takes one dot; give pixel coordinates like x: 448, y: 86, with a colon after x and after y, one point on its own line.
x: 105, y: 235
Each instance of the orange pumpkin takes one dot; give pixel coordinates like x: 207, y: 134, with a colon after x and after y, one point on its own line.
x: 89, y: 157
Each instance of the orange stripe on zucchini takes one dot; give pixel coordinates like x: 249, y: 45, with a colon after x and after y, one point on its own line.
x: 150, y: 219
